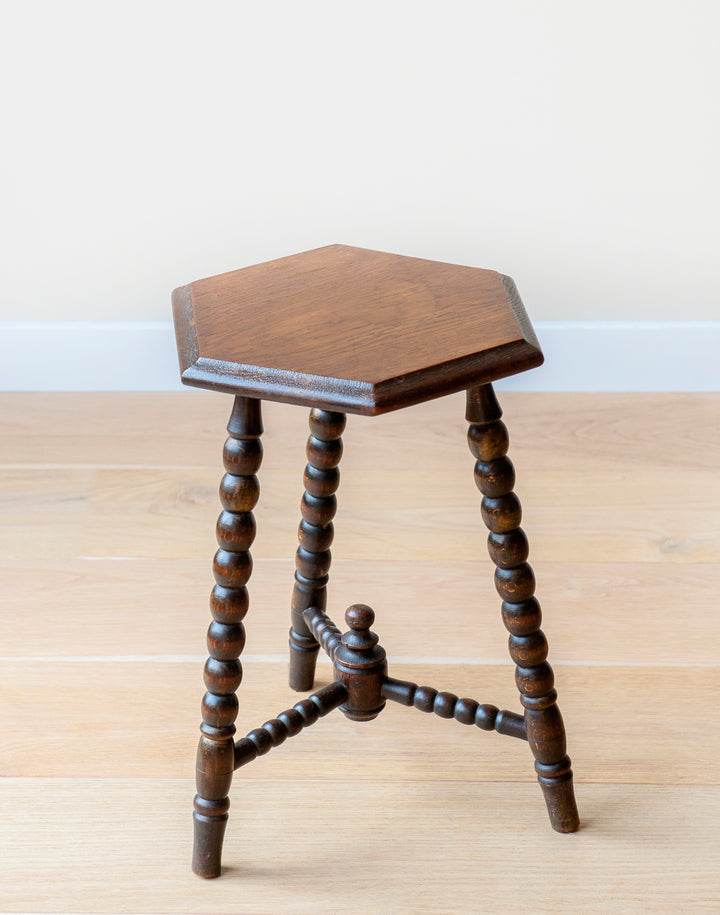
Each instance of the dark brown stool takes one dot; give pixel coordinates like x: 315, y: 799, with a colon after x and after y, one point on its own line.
x: 343, y: 330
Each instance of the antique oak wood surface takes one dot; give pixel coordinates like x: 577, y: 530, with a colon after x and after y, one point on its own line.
x: 351, y: 329
x: 624, y: 546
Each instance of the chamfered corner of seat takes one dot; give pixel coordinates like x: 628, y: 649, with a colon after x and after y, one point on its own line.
x: 184, y: 320
x: 534, y: 350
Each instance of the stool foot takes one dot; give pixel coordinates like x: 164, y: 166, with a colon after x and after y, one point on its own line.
x: 209, y: 832
x: 560, y: 800
x: 321, y: 479
x: 302, y: 662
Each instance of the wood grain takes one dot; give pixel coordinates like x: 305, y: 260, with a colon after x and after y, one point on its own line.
x: 568, y: 432
x: 636, y: 731
x: 165, y: 514
x: 61, y: 599
x: 158, y: 513
x: 625, y: 549
x: 634, y: 854
x: 351, y: 329
x: 114, y: 494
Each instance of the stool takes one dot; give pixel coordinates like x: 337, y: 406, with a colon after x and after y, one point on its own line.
x: 340, y: 330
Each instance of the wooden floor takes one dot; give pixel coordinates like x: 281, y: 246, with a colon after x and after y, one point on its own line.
x: 108, y: 510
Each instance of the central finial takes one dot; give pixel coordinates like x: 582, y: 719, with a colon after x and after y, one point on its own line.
x: 359, y: 618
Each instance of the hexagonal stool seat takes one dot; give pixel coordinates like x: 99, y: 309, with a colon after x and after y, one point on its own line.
x: 340, y: 330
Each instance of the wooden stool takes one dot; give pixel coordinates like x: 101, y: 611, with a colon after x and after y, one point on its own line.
x: 341, y: 330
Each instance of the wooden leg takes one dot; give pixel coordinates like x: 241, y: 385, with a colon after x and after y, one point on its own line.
x: 239, y: 492
x: 322, y: 478
x: 515, y: 583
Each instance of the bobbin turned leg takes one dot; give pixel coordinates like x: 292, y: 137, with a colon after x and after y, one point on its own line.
x: 515, y: 583
x: 239, y: 491
x: 321, y: 479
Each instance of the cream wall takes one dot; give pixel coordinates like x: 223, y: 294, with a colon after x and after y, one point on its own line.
x: 573, y: 145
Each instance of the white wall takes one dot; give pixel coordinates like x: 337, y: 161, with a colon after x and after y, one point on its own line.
x: 573, y: 145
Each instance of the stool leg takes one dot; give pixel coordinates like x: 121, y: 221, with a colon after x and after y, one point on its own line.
x: 232, y: 566
x: 515, y: 583
x: 321, y: 479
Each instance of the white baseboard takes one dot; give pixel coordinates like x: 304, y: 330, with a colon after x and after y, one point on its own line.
x: 579, y: 356
x: 88, y: 356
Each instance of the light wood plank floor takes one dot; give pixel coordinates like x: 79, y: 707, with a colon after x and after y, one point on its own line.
x: 108, y: 509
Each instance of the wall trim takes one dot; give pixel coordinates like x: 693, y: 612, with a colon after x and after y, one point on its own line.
x: 579, y: 356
